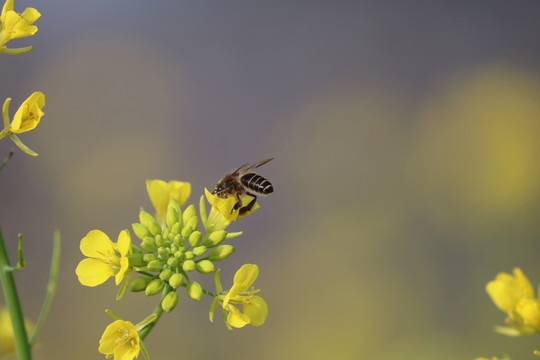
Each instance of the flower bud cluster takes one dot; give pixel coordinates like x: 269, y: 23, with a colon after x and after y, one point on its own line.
x: 173, y: 250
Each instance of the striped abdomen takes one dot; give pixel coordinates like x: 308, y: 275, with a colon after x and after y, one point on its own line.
x: 257, y: 183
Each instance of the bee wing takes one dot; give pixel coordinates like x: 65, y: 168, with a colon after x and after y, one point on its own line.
x: 261, y: 163
x: 248, y: 166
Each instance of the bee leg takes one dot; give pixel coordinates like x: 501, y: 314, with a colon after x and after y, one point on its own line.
x: 238, y: 203
x: 249, y: 206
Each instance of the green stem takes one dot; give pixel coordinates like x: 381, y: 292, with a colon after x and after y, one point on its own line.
x: 51, y: 287
x: 157, y: 311
x: 14, y: 305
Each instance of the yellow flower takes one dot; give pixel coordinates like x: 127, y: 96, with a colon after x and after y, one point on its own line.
x: 528, y: 310
x: 105, y: 258
x: 255, y: 308
x: 29, y: 114
x: 7, y: 341
x: 225, y: 206
x: 506, y: 290
x: 161, y: 192
x: 16, y: 25
x: 120, y: 339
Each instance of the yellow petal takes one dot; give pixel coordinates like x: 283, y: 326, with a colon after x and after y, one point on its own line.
x: 97, y: 244
x: 529, y: 310
x: 124, y: 243
x: 8, y: 6
x: 179, y: 190
x: 124, y: 264
x: 236, y: 318
x: 93, y: 272
x: 523, y: 282
x: 257, y: 310
x: 244, y: 277
x: 158, y: 193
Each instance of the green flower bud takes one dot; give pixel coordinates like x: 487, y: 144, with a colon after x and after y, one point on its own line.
x: 140, y: 230
x: 136, y: 260
x: 221, y: 252
x: 205, y: 267
x: 194, y: 290
x: 154, y: 287
x: 214, y: 238
x: 232, y: 235
x: 160, y: 241
x: 172, y: 262
x: 174, y: 248
x: 155, y: 265
x: 188, y: 255
x: 172, y: 216
x: 170, y: 301
x: 199, y: 250
x: 148, y: 244
x: 165, y: 233
x: 192, y: 223
x: 186, y: 232
x: 165, y: 274
x: 176, y: 280
x: 195, y: 238
x: 140, y: 283
x: 173, y: 203
x: 188, y: 214
x: 149, y: 257
x: 150, y: 222
x: 188, y: 265
x: 164, y: 252
x: 175, y: 229
x: 178, y: 254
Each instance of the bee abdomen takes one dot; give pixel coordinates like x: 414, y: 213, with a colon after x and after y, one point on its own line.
x: 257, y: 183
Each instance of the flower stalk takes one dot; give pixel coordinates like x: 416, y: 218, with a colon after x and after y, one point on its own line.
x: 13, y: 304
x: 51, y: 287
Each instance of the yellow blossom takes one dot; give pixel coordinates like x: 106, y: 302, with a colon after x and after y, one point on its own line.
x: 105, y: 258
x: 225, y: 206
x: 255, y: 309
x: 29, y: 114
x: 16, y: 25
x: 120, y: 339
x: 506, y: 290
x: 528, y: 310
x: 161, y: 193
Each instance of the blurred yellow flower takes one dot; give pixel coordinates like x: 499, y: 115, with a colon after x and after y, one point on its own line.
x: 507, y: 290
x: 120, y: 339
x: 105, y: 258
x: 528, y: 310
x: 255, y: 308
x: 16, y: 25
x: 29, y: 113
x: 161, y: 193
x: 7, y: 341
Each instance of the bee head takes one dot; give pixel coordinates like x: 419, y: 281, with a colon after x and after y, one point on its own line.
x: 218, y: 188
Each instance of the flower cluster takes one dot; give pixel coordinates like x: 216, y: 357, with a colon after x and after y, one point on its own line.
x: 173, y: 248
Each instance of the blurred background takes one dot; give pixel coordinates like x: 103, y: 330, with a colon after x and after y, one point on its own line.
x: 406, y: 139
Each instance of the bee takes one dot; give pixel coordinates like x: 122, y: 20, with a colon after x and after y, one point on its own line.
x: 242, y: 181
